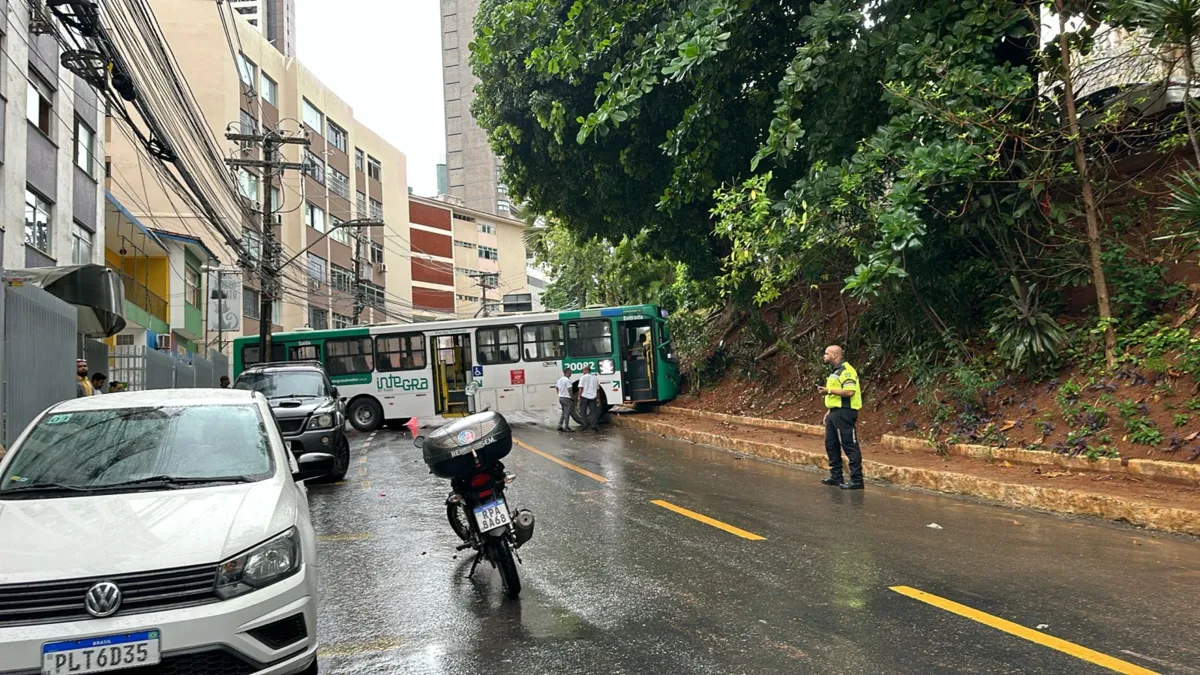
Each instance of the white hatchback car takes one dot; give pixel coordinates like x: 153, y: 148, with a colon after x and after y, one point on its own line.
x: 157, y: 532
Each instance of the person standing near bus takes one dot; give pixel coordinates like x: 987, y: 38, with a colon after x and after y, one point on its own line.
x: 589, y: 389
x: 564, y: 400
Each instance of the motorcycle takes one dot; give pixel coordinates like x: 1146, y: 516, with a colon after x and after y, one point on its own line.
x: 468, y: 452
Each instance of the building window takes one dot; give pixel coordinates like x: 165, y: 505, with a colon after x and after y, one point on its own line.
x: 247, y: 70
x: 376, y: 253
x: 400, y: 352
x: 276, y: 199
x: 349, y: 356
x: 374, y: 295
x: 250, y: 303
x: 360, y: 204
x: 85, y: 142
x: 498, y: 345
x: 468, y: 298
x: 464, y: 244
x: 39, y: 105
x: 314, y: 217
x: 339, y: 183
x: 248, y: 184
x: 314, y: 167
x: 270, y: 90
x: 374, y: 168
x: 468, y: 219
x: 358, y: 160
x: 376, y: 209
x: 466, y: 271
x: 589, y: 338
x: 342, y: 321
x: 339, y: 233
x: 341, y: 279
x: 543, y: 341
x: 489, y: 253
x: 252, y: 240
x: 192, y: 286
x: 313, y: 117
x: 37, y: 222
x: 503, y: 206
x: 318, y: 319
x: 81, y: 245
x: 487, y: 228
x: 337, y: 135
x: 316, y: 267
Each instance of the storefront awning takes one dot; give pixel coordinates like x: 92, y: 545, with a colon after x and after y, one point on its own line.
x: 95, y: 290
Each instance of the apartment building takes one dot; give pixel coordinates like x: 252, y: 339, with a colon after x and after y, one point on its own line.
x: 350, y: 174
x: 275, y: 19
x: 462, y: 257
x: 473, y: 172
x: 49, y: 153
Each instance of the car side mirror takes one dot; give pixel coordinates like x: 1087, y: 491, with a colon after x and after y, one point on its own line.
x: 313, y: 465
x: 419, y: 441
x: 335, y: 393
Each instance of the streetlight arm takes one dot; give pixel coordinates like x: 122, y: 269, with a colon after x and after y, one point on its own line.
x: 362, y: 222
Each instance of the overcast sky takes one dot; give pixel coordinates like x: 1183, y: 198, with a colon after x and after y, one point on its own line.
x: 399, y: 92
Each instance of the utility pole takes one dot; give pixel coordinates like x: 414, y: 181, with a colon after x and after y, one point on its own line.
x: 271, y: 142
x: 483, y: 301
x: 359, y: 289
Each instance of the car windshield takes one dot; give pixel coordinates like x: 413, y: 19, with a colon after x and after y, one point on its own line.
x: 167, y: 446
x: 284, y: 383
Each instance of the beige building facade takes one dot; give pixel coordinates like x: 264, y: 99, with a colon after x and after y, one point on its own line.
x: 351, y: 174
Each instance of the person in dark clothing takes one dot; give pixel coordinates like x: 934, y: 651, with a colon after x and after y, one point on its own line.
x: 98, y: 380
x: 843, y: 399
x: 224, y: 381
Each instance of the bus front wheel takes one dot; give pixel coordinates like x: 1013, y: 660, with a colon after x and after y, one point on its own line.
x: 365, y: 414
x: 598, y: 410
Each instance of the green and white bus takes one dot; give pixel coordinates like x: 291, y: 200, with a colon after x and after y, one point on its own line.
x: 396, y: 371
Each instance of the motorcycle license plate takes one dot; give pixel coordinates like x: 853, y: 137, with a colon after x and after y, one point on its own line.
x: 492, y: 515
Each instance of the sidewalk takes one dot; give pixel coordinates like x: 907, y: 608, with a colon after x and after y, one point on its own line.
x: 1156, y: 497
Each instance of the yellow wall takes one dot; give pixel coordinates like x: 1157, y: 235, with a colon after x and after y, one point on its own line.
x: 154, y: 272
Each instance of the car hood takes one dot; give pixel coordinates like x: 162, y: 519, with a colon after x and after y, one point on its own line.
x: 66, y: 538
x: 287, y: 408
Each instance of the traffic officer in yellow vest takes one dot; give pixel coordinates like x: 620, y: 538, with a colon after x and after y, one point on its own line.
x: 843, y: 398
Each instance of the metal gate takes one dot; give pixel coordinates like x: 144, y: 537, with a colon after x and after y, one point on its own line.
x: 40, y: 348
x: 96, y: 354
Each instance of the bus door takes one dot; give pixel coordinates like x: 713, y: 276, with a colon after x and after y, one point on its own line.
x: 452, y: 373
x: 637, y: 361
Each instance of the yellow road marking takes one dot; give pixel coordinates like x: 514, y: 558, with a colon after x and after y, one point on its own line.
x: 385, y: 644
x: 707, y: 521
x: 1020, y: 631
x: 366, y: 485
x: 560, y: 462
x: 362, y: 470
x: 353, y: 536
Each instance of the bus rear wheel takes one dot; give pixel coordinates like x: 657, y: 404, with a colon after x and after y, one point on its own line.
x: 365, y: 414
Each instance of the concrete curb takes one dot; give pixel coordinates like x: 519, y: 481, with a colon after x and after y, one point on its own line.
x: 1185, y: 521
x: 1146, y: 469
x: 762, y: 423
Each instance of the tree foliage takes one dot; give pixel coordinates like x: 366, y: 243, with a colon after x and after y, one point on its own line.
x: 919, y: 152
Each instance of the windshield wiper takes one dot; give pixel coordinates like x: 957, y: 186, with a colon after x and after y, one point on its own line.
x: 173, y: 482
x: 272, y: 398
x: 43, y: 487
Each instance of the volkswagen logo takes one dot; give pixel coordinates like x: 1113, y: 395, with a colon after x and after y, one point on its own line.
x: 103, y: 599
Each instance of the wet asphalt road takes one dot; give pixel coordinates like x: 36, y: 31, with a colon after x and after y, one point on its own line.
x: 614, y: 583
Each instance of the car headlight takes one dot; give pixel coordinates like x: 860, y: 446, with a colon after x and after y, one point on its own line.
x: 321, y: 421
x: 269, y: 562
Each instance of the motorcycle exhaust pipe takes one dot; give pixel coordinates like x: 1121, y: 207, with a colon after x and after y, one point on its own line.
x: 523, y: 526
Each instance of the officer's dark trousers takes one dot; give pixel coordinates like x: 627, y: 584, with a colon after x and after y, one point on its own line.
x: 841, y: 436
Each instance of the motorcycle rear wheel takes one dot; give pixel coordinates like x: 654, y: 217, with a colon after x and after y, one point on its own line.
x: 498, y: 550
x: 459, y: 520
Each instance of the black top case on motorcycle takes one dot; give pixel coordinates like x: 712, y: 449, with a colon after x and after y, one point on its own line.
x: 448, y: 451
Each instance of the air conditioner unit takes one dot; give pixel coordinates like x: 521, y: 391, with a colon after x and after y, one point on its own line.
x: 382, y: 268
x: 162, y: 341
